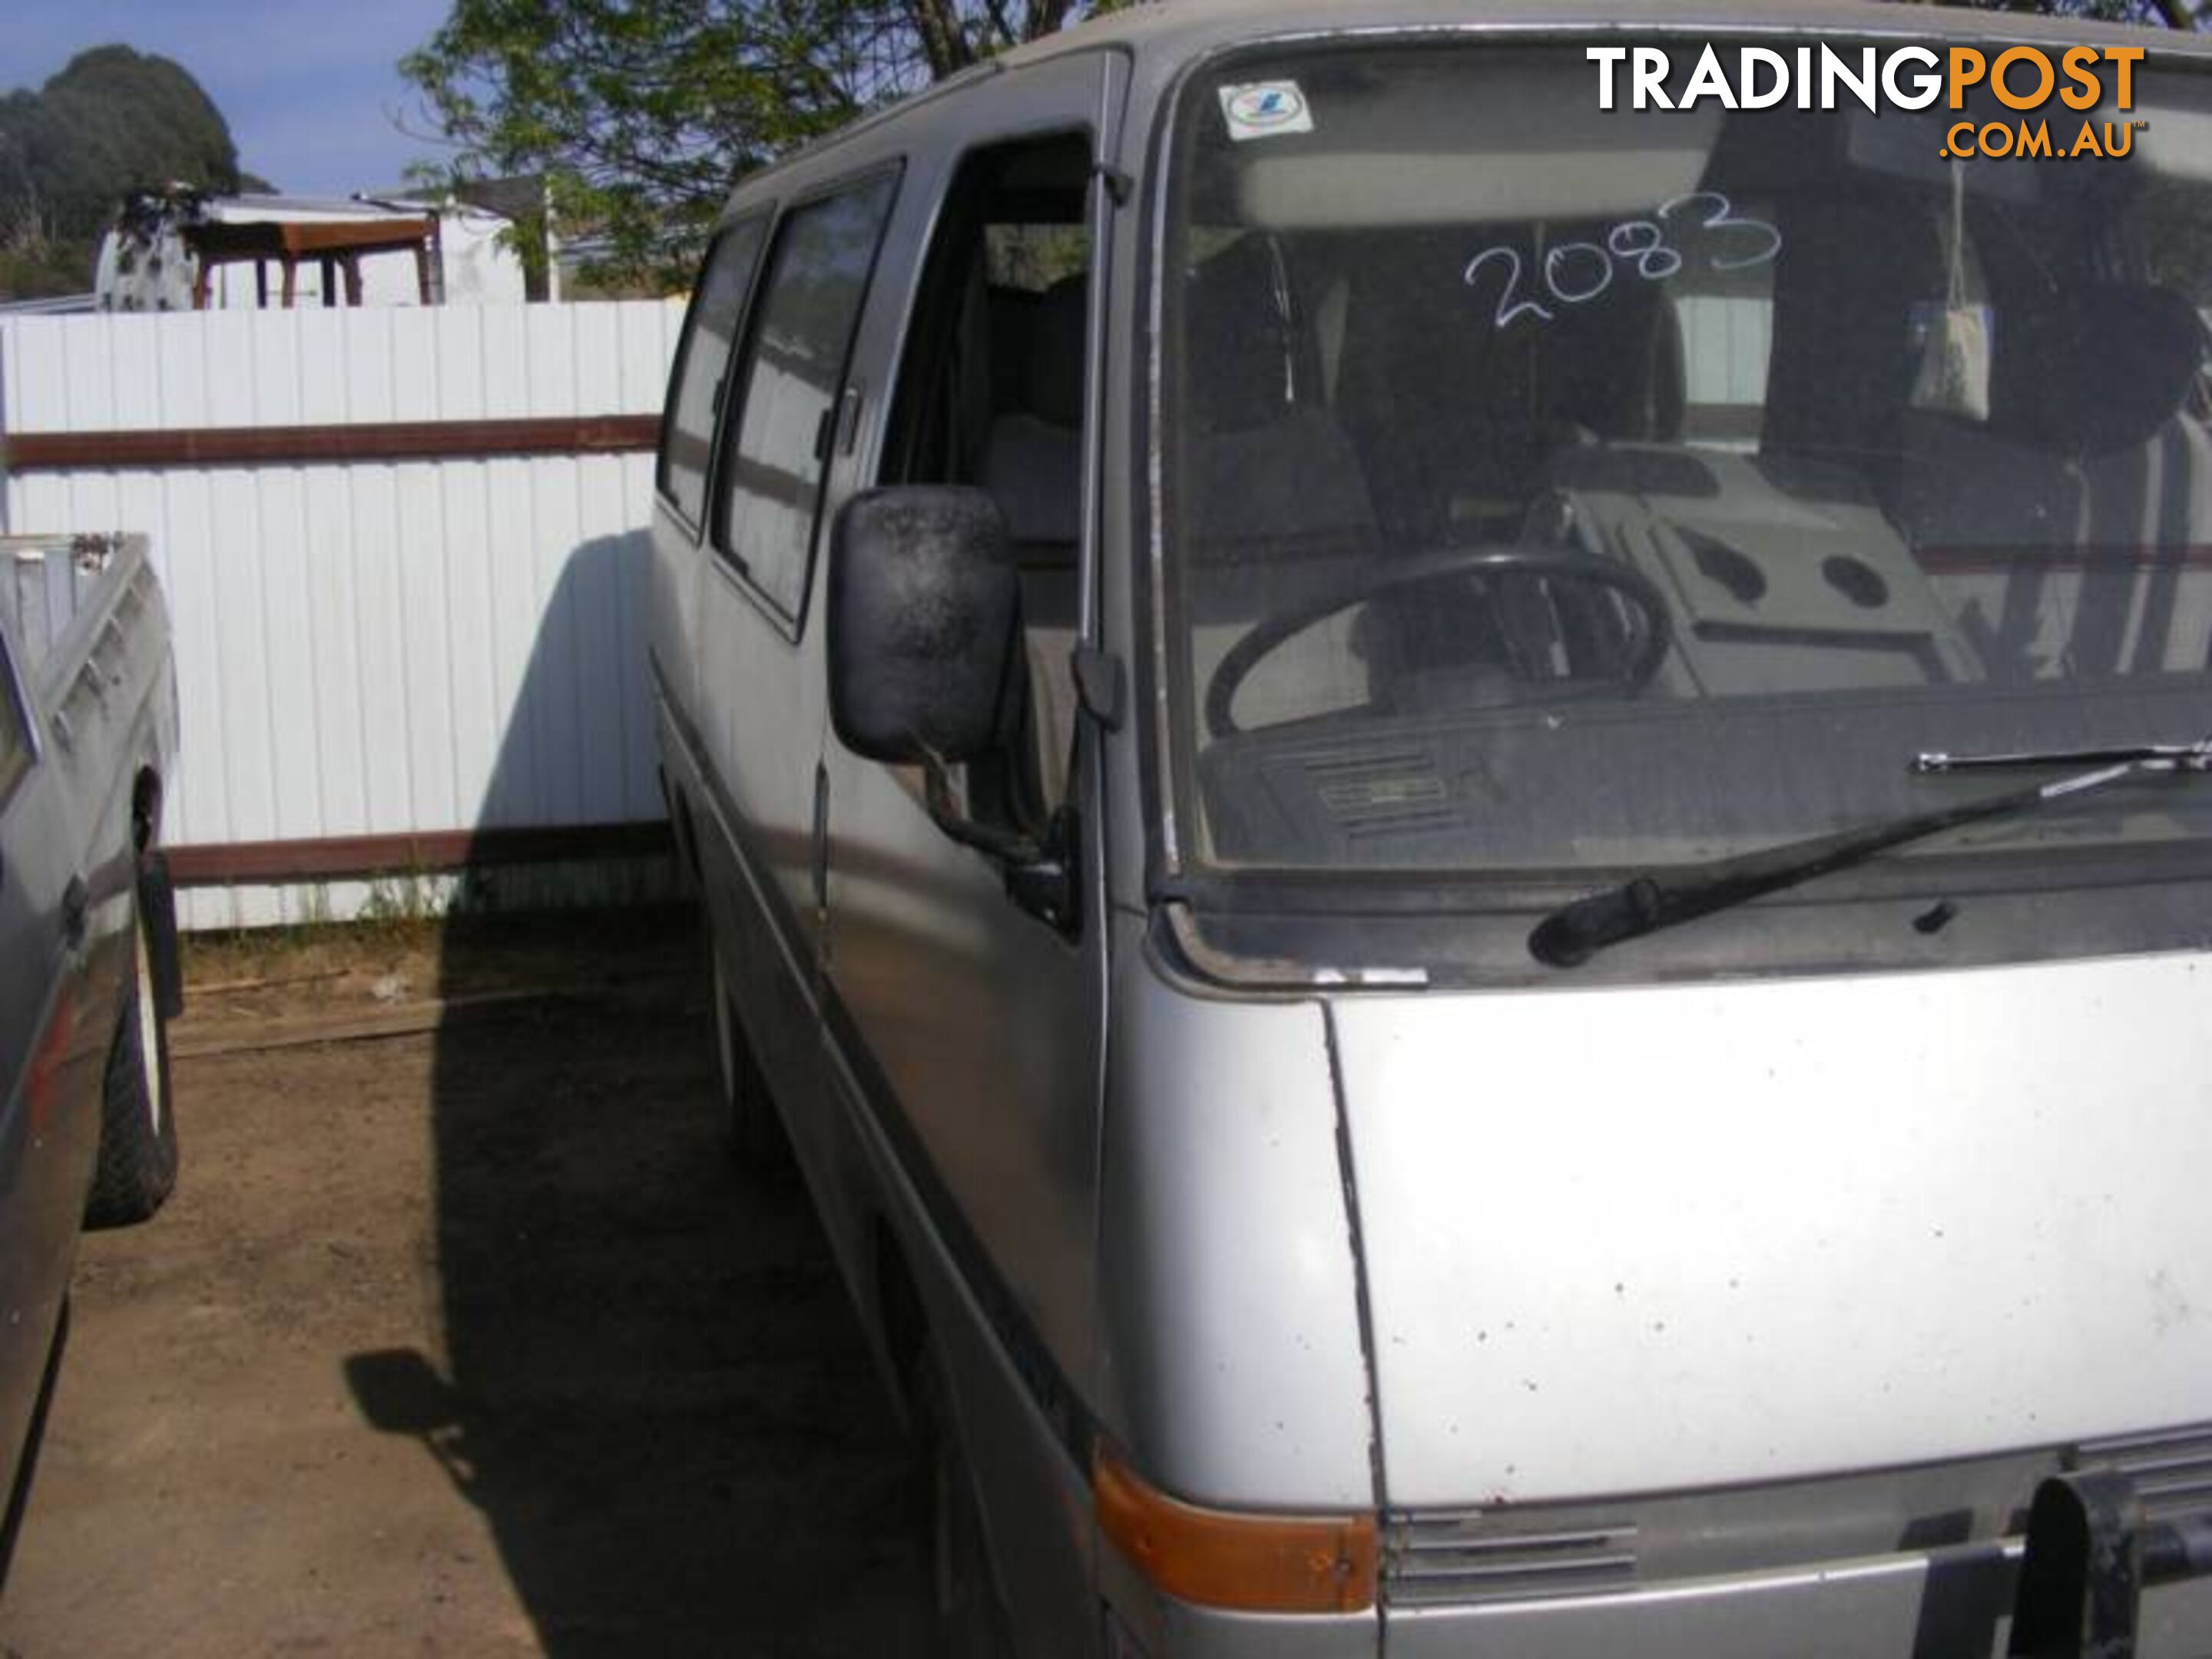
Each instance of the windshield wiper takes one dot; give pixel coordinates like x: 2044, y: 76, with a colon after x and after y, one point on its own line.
x: 2152, y: 757
x: 1570, y: 937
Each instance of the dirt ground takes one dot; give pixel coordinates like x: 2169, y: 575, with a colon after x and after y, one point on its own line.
x: 464, y: 1339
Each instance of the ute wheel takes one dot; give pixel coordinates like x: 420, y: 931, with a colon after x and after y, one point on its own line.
x: 137, y: 1167
x: 969, y: 1622
x: 757, y: 1143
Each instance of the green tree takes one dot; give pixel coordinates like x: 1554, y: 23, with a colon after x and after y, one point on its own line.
x: 2166, y: 13
x: 113, y: 121
x: 641, y: 112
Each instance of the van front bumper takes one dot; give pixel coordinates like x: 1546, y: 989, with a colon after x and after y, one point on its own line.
x: 1949, y: 1606
x: 2114, y: 1563
x: 1953, y: 1602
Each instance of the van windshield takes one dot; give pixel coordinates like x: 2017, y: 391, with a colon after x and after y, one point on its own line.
x: 1549, y: 488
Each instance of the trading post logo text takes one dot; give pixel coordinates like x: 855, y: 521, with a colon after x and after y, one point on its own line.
x: 2028, y: 80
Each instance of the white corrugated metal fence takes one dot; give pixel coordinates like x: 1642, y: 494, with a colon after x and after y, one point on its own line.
x: 372, y: 647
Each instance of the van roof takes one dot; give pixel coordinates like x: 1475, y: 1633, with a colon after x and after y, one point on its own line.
x: 1163, y: 34
x: 1182, y: 28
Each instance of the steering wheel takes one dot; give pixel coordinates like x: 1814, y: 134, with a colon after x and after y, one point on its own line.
x: 1386, y: 575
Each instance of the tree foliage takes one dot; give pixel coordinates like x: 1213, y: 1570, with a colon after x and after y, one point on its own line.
x: 642, y: 111
x: 2167, y: 14
x: 113, y: 121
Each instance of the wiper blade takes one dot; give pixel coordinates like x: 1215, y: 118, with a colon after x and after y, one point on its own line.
x: 2151, y: 756
x: 1570, y: 937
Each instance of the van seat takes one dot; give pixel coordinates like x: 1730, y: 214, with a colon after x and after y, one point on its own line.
x: 1276, y: 505
x: 1033, y: 453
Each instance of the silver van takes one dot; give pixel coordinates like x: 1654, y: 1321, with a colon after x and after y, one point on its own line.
x: 1450, y: 762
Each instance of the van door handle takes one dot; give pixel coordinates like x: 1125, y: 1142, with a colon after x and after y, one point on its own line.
x: 76, y: 911
x: 821, y: 851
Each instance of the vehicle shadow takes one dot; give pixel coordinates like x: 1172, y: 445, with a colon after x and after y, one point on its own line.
x: 651, y: 1383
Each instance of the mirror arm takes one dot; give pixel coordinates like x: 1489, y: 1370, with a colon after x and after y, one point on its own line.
x: 1046, y: 886
x: 1040, y: 878
x: 999, y: 845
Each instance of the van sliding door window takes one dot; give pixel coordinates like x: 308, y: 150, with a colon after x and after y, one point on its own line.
x: 703, y: 367
x: 778, y: 448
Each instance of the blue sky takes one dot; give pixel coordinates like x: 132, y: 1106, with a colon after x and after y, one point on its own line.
x: 310, y: 90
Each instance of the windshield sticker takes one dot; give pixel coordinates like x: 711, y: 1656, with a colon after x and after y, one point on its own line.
x: 1705, y: 222
x: 1265, y: 109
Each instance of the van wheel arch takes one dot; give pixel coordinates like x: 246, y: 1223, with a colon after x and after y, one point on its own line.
x: 970, y: 1615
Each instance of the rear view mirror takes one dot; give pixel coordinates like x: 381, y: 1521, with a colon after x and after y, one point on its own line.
x: 925, y: 626
x: 926, y: 666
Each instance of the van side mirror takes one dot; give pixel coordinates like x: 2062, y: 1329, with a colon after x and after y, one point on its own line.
x: 926, y: 666
x: 925, y: 626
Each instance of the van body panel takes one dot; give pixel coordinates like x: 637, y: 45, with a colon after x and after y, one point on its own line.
x: 759, y: 720
x: 1037, y: 1512
x: 1159, y: 1624
x: 673, y: 573
x: 1185, y: 1629
x: 967, y: 1034
x: 767, y: 951
x: 1954, y: 1602
x: 981, y: 1021
x: 1781, y: 1229
x: 1845, y: 1611
x: 981, y: 1025
x: 755, y: 864
x: 1233, y: 1371
x: 1036, y: 1497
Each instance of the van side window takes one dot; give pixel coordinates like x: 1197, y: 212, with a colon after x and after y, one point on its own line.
x: 778, y: 448
x: 703, y: 366
x: 992, y: 394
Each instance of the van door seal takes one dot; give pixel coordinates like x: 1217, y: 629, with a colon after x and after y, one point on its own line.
x: 1211, y: 963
